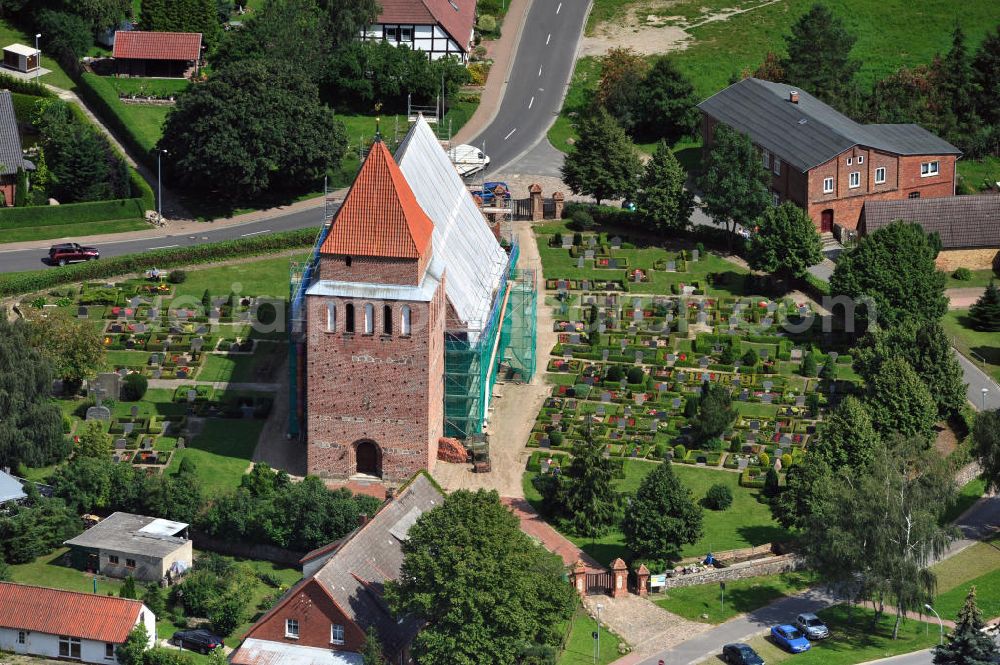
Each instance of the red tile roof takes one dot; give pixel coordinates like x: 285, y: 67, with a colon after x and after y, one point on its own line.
x: 456, y: 22
x: 157, y: 45
x: 380, y: 216
x: 84, y: 615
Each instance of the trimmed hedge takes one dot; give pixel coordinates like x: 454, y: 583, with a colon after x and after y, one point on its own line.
x: 39, y: 280
x: 104, y: 100
x: 70, y: 213
x: 24, y: 87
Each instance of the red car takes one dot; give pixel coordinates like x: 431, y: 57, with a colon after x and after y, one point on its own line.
x: 60, y: 255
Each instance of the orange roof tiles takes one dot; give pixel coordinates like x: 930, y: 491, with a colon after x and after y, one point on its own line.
x: 456, y: 19
x: 84, y: 615
x: 157, y: 45
x: 380, y: 216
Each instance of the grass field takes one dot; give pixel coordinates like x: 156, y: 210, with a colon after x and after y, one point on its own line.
x: 979, y: 278
x: 580, y: 645
x: 975, y: 345
x: 704, y: 600
x: 221, y: 453
x: 854, y: 640
x: 243, y: 369
x: 979, y: 566
x: 48, y: 571
x: 746, y: 523
x: 268, y: 277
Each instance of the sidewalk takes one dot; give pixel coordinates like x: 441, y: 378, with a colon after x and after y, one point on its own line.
x: 501, y: 51
x: 533, y: 525
x: 960, y: 298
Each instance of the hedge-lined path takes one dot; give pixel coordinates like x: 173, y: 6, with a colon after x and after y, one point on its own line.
x: 535, y: 526
x: 172, y: 384
x: 172, y: 209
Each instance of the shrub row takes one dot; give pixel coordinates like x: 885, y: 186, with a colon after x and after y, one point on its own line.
x: 24, y: 87
x: 38, y: 280
x: 71, y: 213
x: 104, y: 99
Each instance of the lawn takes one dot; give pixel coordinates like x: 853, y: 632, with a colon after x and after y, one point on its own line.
x: 580, y: 645
x: 76, y: 230
x: 268, y: 277
x: 971, y: 563
x: 853, y: 639
x: 978, y: 346
x: 221, y: 453
x: 967, y: 496
x: 979, y: 278
x: 979, y: 174
x: 48, y: 571
x: 703, y: 601
x: 57, y: 77
x: 748, y: 522
x: 243, y: 368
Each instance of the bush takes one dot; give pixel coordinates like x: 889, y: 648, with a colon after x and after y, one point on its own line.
x: 728, y: 356
x: 809, y: 366
x: 765, y: 459
x: 177, y: 277
x: 750, y: 358
x: 134, y: 387
x: 736, y: 445
x: 636, y: 375
x: 555, y: 438
x: 963, y: 274
x: 786, y: 460
x: 577, y: 239
x: 581, y: 220
x: 70, y: 213
x: 614, y: 373
x: 714, y: 444
x: 557, y: 240
x: 679, y: 452
x: 719, y: 497
x: 486, y: 23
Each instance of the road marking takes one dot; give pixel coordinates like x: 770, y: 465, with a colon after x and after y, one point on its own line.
x: 548, y: 38
x: 509, y: 134
x: 531, y: 102
x: 164, y: 246
x: 255, y: 233
x: 539, y: 70
x: 558, y: 8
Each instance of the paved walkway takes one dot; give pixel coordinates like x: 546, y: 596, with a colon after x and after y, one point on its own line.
x: 645, y: 626
x: 966, y: 296
x: 172, y: 384
x: 536, y: 527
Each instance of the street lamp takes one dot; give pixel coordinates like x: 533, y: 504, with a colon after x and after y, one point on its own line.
x: 38, y: 56
x: 985, y: 391
x: 940, y: 623
x: 159, y: 186
x: 597, y: 653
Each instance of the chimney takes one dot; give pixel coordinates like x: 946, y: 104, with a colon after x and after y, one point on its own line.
x: 793, y: 96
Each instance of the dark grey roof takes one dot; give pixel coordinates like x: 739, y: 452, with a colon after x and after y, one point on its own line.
x: 11, y: 157
x: 357, y: 572
x: 133, y: 534
x: 960, y: 221
x: 810, y: 133
x: 10, y: 488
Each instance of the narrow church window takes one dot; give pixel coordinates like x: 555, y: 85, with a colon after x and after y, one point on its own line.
x: 369, y: 318
x: 331, y: 317
x: 349, y: 318
x: 347, y: 261
x: 404, y: 324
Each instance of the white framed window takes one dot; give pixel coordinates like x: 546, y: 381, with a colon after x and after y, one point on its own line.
x: 929, y: 169
x: 861, y: 159
x: 850, y: 160
x: 854, y: 180
x: 109, y: 651
x: 22, y: 637
x: 69, y: 647
x: 292, y: 628
x: 775, y: 199
x: 331, y: 317
x: 404, y: 321
x: 369, y: 319
x: 777, y: 166
x: 336, y: 634
x: 766, y: 158
x: 880, y: 175
x: 827, y: 185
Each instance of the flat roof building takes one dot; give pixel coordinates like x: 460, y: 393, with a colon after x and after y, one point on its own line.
x: 124, y: 544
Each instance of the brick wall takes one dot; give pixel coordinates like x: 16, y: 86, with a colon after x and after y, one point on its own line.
x: 769, y: 566
x: 973, y: 259
x: 312, y: 607
x: 388, y: 389
x: 367, y: 269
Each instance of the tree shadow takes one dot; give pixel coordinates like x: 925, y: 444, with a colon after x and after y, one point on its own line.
x: 605, y: 553
x: 762, y: 533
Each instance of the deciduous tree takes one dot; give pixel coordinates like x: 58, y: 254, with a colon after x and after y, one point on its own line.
x: 715, y: 413
x: 93, y: 442
x: 661, y: 517
x: 735, y: 182
x: 662, y: 198
x: 967, y: 644
x: 73, y: 346
x: 819, y: 55
x: 132, y: 650
x: 794, y: 506
x: 619, y: 90
x: 847, y: 439
x: 483, y: 589
x: 786, y: 242
x: 603, y: 163
x: 899, y: 402
x: 667, y: 103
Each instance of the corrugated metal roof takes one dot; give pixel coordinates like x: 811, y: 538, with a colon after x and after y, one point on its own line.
x: 456, y: 17
x: 262, y: 652
x: 141, y: 45
x: 123, y: 532
x: 471, y: 255
x: 57, y: 612
x: 11, y: 156
x: 380, y: 215
x: 10, y: 488
x: 810, y: 132
x: 960, y: 221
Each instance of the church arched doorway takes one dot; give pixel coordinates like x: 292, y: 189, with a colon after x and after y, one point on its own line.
x: 367, y: 458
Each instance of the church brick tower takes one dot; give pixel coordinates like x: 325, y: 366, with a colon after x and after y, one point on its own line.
x: 375, y: 334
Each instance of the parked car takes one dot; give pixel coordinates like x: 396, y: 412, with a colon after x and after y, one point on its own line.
x: 812, y: 626
x: 790, y: 638
x: 197, y: 640
x: 739, y: 653
x: 70, y: 252
x: 491, y: 190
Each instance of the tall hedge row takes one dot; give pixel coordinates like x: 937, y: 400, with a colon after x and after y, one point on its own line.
x: 70, y: 213
x: 103, y: 98
x: 40, y: 280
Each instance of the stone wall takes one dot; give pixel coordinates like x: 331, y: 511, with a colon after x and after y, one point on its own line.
x: 768, y: 566
x: 968, y: 473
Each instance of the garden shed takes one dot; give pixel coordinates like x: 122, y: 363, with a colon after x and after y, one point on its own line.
x: 157, y: 54
x: 20, y: 58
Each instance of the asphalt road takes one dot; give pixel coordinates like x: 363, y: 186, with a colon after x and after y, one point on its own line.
x: 32, y: 259
x: 538, y: 80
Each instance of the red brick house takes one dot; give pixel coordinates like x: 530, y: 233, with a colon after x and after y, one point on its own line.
x: 165, y: 54
x: 825, y: 162
x: 322, y: 620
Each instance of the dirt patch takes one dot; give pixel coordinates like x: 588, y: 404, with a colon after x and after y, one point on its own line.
x: 945, y: 440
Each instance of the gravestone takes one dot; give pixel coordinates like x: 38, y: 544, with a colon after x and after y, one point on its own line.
x: 180, y: 442
x: 589, y: 254
x: 134, y: 411
x: 744, y: 395
x: 122, y: 373
x: 705, y: 376
x: 616, y: 243
x: 736, y: 383
x: 586, y: 286
x: 803, y: 310
x: 579, y: 263
x: 605, y: 353
x: 127, y: 428
x: 621, y: 423
x: 139, y: 328
x: 768, y: 385
x: 638, y: 357
x: 109, y: 383
x: 157, y: 373
x: 591, y: 241
x: 600, y: 410
x: 796, y: 354
x: 82, y: 312
x: 574, y: 338
x: 767, y: 322
x: 544, y: 442
x: 764, y: 353
x: 671, y: 266
x: 671, y: 358
x: 676, y: 402
x: 121, y: 444
x: 567, y: 243
x: 640, y: 399
x: 602, y: 328
x: 767, y: 398
x: 154, y: 358
x: 800, y: 400
x: 192, y: 395
x: 197, y: 343
x: 637, y: 315
x: 694, y: 255
x: 833, y: 355
x: 98, y: 413
x: 703, y: 362
x: 702, y: 318
x: 654, y: 426
x: 624, y: 343
x: 606, y: 397
x: 754, y: 425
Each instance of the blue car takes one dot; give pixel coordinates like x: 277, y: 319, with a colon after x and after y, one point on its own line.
x: 492, y: 190
x: 790, y: 638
